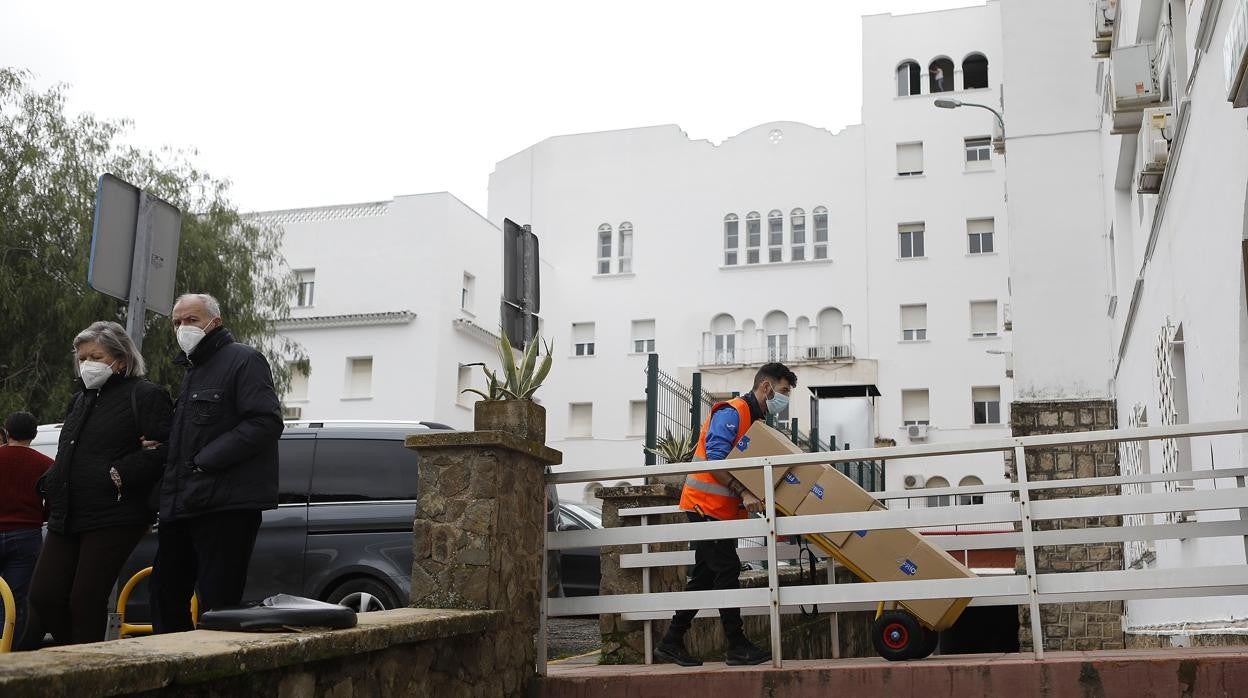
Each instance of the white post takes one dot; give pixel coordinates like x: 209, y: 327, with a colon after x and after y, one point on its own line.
x: 645, y: 589
x: 836, y: 616
x: 773, y: 577
x: 1243, y: 515
x: 1029, y: 551
x: 140, y: 264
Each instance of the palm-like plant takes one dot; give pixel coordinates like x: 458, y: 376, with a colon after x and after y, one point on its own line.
x: 675, y: 449
x: 518, y: 382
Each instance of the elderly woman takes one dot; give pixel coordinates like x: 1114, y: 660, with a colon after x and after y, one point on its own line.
x: 111, y: 454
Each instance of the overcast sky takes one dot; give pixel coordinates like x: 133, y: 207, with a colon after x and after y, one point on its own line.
x: 310, y: 103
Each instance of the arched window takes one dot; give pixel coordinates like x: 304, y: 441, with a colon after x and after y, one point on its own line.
x: 604, y: 249
x: 731, y: 239
x: 797, y: 234
x: 831, y: 331
x: 938, y: 500
x: 908, y: 78
x: 753, y: 236
x: 974, y: 71
x: 970, y: 481
x: 589, y: 497
x: 821, y: 232
x: 940, y: 75
x: 775, y: 236
x: 626, y: 248
x: 776, y: 327
x: 724, y: 337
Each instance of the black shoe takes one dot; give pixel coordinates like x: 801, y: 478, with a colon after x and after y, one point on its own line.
x: 675, y: 653
x: 743, y: 652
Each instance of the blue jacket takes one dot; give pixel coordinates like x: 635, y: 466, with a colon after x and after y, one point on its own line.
x: 721, y: 435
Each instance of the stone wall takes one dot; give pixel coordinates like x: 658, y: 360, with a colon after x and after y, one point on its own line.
x: 1076, y: 626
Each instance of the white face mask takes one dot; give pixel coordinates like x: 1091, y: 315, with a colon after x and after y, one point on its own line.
x: 94, y: 374
x: 189, y: 337
x: 777, y: 403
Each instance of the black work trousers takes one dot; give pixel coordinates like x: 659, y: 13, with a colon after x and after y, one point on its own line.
x: 715, y: 566
x: 205, y: 555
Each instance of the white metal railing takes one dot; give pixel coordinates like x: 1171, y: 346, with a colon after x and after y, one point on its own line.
x: 1004, y: 505
x: 788, y: 354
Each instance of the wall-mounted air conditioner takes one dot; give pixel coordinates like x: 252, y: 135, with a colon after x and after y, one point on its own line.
x: 916, y: 432
x: 1155, y: 134
x: 913, y: 482
x: 1104, y: 14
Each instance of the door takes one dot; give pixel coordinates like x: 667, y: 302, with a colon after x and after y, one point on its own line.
x: 277, y: 561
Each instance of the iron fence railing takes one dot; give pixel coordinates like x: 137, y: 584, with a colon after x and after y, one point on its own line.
x: 671, y: 407
x: 785, y: 354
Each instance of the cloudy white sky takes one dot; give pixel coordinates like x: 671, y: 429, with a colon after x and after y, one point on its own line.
x: 310, y: 103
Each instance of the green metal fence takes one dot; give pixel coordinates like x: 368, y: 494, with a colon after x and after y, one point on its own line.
x: 672, y: 407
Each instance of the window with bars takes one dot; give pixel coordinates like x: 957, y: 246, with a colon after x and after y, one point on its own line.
x: 775, y: 236
x: 626, y: 248
x: 820, y: 216
x: 725, y: 348
x: 910, y: 240
x: 604, y: 249
x: 583, y: 338
x: 753, y: 237
x: 914, y: 322
x: 979, y: 233
x: 643, y: 336
x: 731, y: 239
x: 986, y: 405
x: 797, y: 235
x: 983, y: 318
x: 909, y: 159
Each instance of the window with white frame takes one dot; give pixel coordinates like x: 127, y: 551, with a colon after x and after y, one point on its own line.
x: 643, y: 336
x: 731, y: 239
x: 580, y: 420
x: 986, y: 404
x: 359, y: 377
x: 909, y: 159
x: 979, y: 235
x: 778, y: 347
x: 941, y: 500
x: 797, y: 235
x: 583, y: 338
x: 910, y: 240
x: 914, y: 322
x: 775, y: 236
x: 908, y: 82
x: 725, y: 348
x: 636, y: 417
x: 604, y: 249
x: 305, y: 289
x: 298, y: 391
x: 626, y: 248
x: 970, y: 481
x: 820, y: 215
x: 753, y: 237
x: 983, y: 318
x: 978, y: 153
x: 463, y: 381
x: 914, y: 407
x: 467, y: 292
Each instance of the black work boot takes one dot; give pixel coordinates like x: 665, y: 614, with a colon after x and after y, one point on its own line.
x: 743, y: 652
x: 672, y: 649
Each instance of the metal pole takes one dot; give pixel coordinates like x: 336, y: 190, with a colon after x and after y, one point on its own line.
x: 1029, y: 551
x: 695, y: 406
x: 652, y: 407
x: 773, y: 578
x: 140, y: 264
x: 793, y: 429
x: 836, y: 616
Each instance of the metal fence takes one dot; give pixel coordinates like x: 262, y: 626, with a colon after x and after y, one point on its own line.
x: 672, y: 408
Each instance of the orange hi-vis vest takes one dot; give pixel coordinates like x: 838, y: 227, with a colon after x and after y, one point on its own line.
x: 702, y: 492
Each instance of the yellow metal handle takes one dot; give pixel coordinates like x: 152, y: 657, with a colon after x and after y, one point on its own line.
x: 10, y: 617
x: 129, y: 629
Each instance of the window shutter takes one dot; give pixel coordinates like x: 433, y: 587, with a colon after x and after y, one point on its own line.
x: 914, y: 406
x: 909, y: 158
x: 984, y: 317
x: 914, y: 317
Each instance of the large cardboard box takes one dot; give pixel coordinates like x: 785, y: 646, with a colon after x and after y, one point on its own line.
x: 761, y: 440
x: 833, y: 493
x: 795, y: 486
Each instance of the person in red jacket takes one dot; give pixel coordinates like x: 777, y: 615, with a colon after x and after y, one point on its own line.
x: 21, y: 509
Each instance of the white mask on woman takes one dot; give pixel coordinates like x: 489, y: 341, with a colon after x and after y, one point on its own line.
x: 94, y: 373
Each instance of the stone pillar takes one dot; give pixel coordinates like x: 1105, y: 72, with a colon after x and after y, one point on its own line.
x: 1071, y: 626
x: 478, y: 539
x: 623, y: 641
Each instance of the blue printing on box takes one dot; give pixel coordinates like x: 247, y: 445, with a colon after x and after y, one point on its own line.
x: 908, y: 567
x: 862, y: 533
x: 743, y: 444
x: 817, y: 490
x: 791, y: 479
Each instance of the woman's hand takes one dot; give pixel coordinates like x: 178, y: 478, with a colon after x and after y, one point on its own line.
x: 147, y: 445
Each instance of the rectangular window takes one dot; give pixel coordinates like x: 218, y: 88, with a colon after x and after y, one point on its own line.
x: 467, y: 291
x: 463, y: 381
x: 636, y: 417
x: 298, y: 384
x: 753, y: 239
x: 580, y: 420
x: 725, y: 348
x: 775, y: 237
x: 979, y: 153
x: 983, y: 318
x: 986, y: 404
x: 914, y: 322
x: 910, y: 240
x: 797, y: 231
x: 604, y: 249
x: 731, y: 240
x: 583, y: 338
x: 777, y: 347
x: 979, y: 235
x: 821, y: 233
x: 909, y: 159
x: 626, y: 248
x: 360, y: 377
x: 643, y: 336
x: 914, y: 407
x: 363, y: 470
x: 305, y: 294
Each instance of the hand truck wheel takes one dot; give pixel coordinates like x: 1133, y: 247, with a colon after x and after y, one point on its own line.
x: 898, y: 636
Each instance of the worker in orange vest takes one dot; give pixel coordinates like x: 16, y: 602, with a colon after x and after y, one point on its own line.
x: 717, y: 496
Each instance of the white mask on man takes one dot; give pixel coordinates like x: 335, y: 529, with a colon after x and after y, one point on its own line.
x: 189, y: 337
x: 94, y: 373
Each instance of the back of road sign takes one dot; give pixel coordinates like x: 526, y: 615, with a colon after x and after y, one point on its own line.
x: 112, y: 244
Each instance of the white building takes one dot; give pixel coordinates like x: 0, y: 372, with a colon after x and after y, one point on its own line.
x: 394, y: 298
x: 872, y: 261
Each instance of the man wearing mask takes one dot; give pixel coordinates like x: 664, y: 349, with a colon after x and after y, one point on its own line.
x: 718, y: 496
x: 222, y: 469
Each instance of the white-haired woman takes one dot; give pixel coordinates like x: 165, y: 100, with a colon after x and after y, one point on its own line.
x: 111, y: 454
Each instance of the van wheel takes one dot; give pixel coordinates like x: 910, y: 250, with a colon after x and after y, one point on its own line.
x: 363, y: 595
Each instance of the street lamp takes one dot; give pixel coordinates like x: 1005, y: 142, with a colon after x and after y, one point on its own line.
x: 998, y: 144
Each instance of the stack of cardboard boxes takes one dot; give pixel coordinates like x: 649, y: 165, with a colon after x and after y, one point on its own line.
x: 882, y: 555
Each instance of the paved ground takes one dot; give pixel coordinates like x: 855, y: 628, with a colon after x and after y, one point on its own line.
x: 570, y: 637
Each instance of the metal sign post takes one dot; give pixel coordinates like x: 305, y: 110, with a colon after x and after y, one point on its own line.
x: 136, y: 304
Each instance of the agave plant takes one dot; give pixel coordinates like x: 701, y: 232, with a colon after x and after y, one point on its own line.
x: 518, y: 381
x: 674, y: 449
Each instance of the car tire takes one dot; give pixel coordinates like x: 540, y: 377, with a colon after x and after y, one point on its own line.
x: 363, y: 594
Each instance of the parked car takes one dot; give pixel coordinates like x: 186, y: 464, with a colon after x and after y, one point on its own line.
x: 579, y: 571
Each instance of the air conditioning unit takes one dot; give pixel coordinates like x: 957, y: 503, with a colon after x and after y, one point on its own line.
x: 1104, y: 14
x: 289, y: 412
x: 1155, y: 134
x: 917, y: 432
x: 913, y: 482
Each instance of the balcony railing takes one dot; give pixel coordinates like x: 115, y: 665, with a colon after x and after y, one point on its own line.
x: 756, y: 356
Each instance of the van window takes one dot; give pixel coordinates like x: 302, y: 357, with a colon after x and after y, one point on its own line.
x: 358, y: 470
x: 294, y: 469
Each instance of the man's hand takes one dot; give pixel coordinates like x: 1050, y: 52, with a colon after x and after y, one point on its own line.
x: 752, y: 504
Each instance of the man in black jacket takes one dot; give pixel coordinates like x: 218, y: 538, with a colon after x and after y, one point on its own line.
x: 222, y: 469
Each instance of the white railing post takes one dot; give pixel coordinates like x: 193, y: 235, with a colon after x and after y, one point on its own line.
x: 1243, y: 514
x: 773, y: 575
x: 645, y: 589
x: 836, y: 615
x: 1029, y: 551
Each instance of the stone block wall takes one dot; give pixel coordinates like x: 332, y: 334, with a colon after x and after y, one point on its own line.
x: 1081, y: 626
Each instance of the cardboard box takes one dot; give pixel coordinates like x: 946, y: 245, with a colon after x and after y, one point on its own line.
x: 833, y: 493
x: 795, y: 486
x: 761, y: 440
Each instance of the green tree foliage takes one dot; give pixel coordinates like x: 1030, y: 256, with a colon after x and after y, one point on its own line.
x: 49, y: 164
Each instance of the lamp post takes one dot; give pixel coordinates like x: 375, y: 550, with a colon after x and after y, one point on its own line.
x: 998, y: 144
